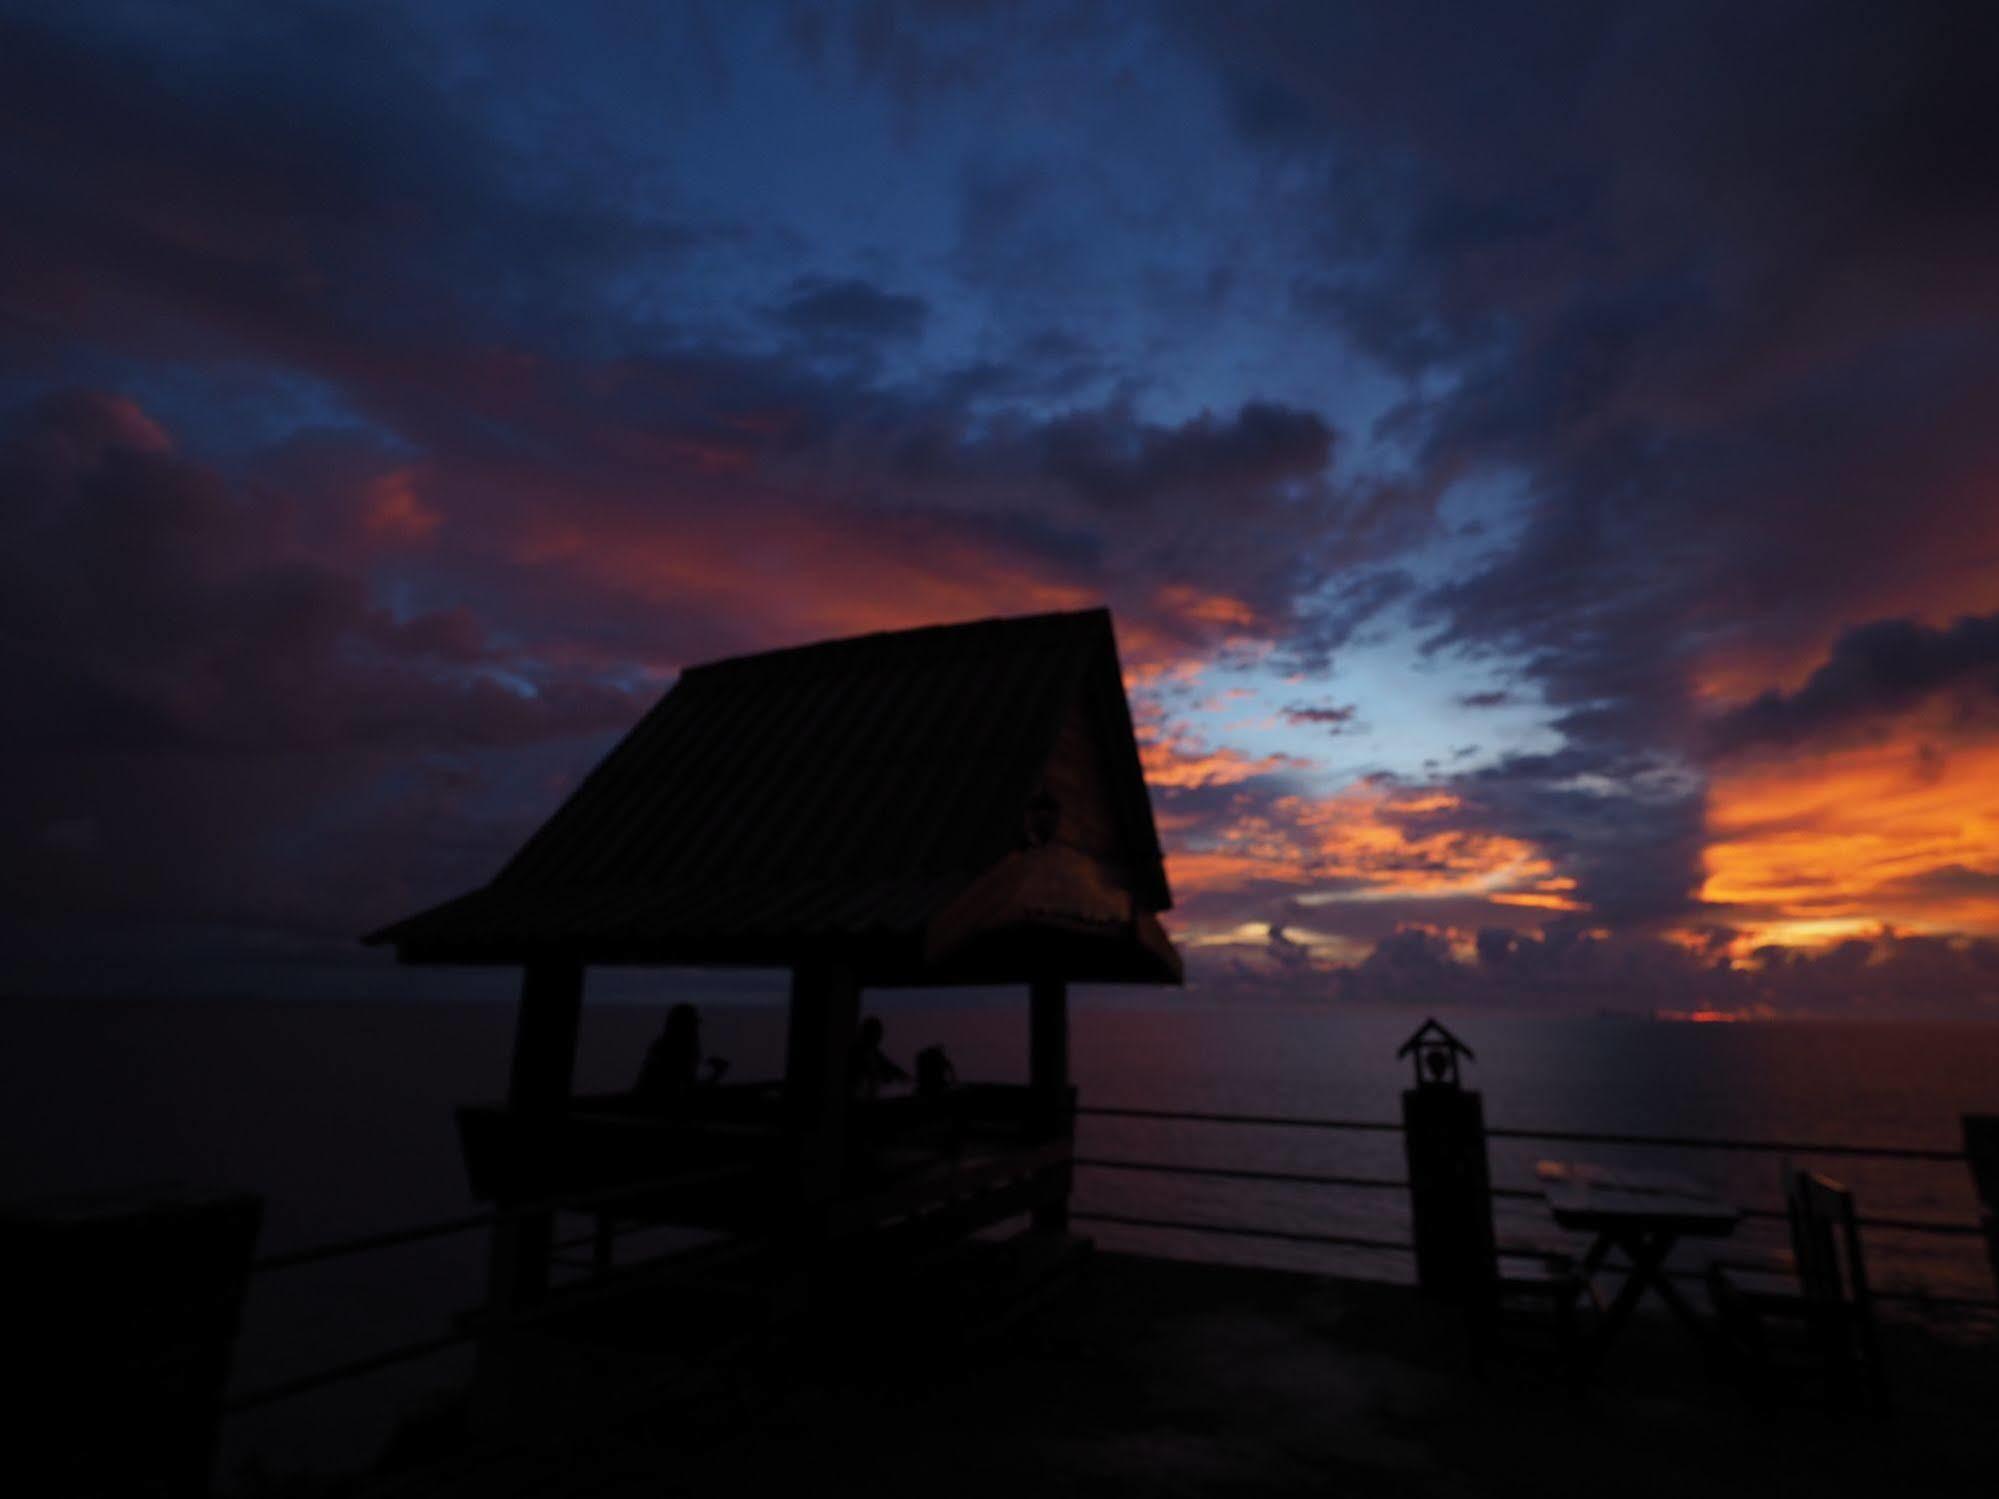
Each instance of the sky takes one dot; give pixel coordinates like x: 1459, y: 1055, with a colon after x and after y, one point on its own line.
x: 1542, y: 459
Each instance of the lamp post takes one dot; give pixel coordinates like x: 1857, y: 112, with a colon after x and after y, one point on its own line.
x: 1450, y: 1184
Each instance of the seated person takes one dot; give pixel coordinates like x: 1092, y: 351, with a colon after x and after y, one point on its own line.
x: 673, y: 1063
x: 869, y: 1069
x: 935, y: 1075
x: 942, y: 1106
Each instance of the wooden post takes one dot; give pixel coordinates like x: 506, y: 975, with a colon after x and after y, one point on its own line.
x: 1048, y: 1080
x: 1981, y: 1150
x: 517, y: 1265
x: 1450, y: 1191
x: 544, y: 1065
x: 825, y: 1012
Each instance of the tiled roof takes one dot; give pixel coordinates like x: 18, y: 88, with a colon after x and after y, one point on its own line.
x: 837, y: 795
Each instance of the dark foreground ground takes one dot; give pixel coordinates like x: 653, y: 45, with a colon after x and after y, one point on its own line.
x: 1154, y: 1377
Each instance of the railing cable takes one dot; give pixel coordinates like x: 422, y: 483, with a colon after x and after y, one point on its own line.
x: 575, y: 1202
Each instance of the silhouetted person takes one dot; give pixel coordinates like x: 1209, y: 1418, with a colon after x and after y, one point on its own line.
x: 672, y: 1067
x: 942, y: 1107
x: 934, y: 1073
x: 869, y: 1069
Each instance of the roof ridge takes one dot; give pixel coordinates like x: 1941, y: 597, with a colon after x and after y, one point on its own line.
x: 1000, y: 624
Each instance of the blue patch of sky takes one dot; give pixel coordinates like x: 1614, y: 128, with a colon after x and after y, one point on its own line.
x: 1479, y: 518
x: 1411, y: 716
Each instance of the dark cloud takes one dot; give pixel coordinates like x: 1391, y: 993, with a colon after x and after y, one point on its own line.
x: 1125, y: 464
x: 1630, y: 831
x: 329, y: 203
x: 1335, y: 718
x: 1568, y: 966
x: 842, y: 309
x: 147, y: 608
x: 916, y: 53
x: 205, y: 721
x: 379, y: 247
x: 1873, y: 673
x: 395, y: 252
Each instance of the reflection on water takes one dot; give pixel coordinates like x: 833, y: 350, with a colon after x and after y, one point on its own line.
x: 341, y: 1115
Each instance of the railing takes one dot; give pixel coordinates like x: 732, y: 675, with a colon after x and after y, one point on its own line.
x: 624, y: 1276
x: 470, y: 1331
x: 604, y: 1279
x: 1342, y: 1181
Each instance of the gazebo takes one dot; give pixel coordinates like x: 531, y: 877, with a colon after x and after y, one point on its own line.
x: 956, y: 805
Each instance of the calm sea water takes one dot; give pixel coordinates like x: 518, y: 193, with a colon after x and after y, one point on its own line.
x: 341, y: 1115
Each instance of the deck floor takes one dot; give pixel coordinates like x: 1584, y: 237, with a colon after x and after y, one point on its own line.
x: 1154, y: 1377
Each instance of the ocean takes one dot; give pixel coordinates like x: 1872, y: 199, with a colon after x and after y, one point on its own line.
x: 340, y: 1113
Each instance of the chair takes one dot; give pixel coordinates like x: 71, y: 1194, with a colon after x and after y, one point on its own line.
x: 1822, y: 1334
x: 1530, y: 1308
x: 1522, y: 1305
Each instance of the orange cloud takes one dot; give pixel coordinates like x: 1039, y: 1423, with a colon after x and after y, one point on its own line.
x: 1178, y: 758
x: 1146, y: 671
x: 1819, y: 848
x: 1200, y: 607
x: 1546, y: 895
x: 1369, y: 841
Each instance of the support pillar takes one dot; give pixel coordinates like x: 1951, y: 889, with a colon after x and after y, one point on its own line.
x: 517, y: 1265
x: 1048, y: 1081
x: 544, y: 1065
x: 825, y: 1012
x: 1981, y: 1153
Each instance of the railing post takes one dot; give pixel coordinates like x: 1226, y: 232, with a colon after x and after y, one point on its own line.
x: 1054, y: 1101
x: 1981, y: 1150
x: 1450, y: 1185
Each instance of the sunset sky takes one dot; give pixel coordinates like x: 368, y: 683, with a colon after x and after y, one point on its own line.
x: 1544, y: 459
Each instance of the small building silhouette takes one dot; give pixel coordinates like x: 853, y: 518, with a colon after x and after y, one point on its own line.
x: 961, y: 804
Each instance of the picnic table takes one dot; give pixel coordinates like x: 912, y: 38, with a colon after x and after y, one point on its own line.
x: 1644, y: 1214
